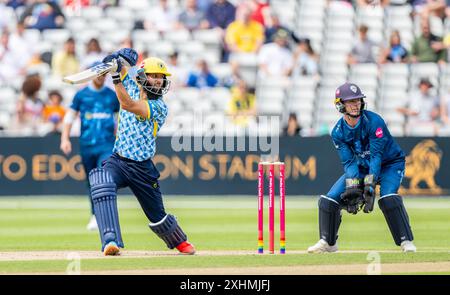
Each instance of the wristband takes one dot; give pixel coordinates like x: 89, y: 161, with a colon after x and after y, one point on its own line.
x: 116, y: 78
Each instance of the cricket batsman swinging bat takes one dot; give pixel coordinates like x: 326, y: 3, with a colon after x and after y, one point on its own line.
x: 90, y: 73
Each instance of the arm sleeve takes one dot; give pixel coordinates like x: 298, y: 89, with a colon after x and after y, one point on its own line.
x: 377, y: 143
x: 76, y: 102
x: 191, y: 80
x: 348, y: 158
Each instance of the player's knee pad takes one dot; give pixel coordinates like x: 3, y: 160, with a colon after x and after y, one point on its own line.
x: 329, y: 220
x: 169, y: 231
x: 396, y: 217
x: 104, y: 197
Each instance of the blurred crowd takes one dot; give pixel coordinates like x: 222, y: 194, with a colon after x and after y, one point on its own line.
x: 248, y: 29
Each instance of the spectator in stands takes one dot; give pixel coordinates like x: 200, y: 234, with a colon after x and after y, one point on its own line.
x: 445, y: 109
x: 29, y: 106
x: 161, y: 18
x: 365, y: 3
x: 13, y: 60
x: 202, y: 77
x: 275, y: 59
x: 242, y: 105
x: 293, y: 127
x: 244, y: 35
x: 179, y: 73
x: 73, y: 7
x: 3, y: 17
x: 423, y: 106
x: 260, y: 11
x: 43, y: 15
x: 433, y: 8
x: 417, y: 6
x: 396, y: 52
x: 93, y: 53
x: 362, y: 51
x: 107, y: 3
x: 220, y: 14
x: 65, y: 62
x: 447, y: 9
x: 305, y: 59
x: 53, y: 112
x: 427, y: 47
x: 192, y: 18
x: 234, y: 77
x: 19, y: 41
x: 272, y: 28
x: 16, y: 3
x: 203, y: 5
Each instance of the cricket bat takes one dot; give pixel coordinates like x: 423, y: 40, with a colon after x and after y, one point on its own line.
x: 90, y: 73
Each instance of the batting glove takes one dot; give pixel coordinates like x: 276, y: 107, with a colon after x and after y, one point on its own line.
x: 129, y: 56
x: 114, y: 58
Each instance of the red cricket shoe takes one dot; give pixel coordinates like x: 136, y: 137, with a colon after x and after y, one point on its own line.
x: 186, y: 248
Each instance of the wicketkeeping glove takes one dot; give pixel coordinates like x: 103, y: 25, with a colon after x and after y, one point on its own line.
x: 352, y: 197
x: 369, y: 193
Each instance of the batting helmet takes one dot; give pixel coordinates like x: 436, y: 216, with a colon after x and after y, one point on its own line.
x: 153, y: 65
x: 345, y: 92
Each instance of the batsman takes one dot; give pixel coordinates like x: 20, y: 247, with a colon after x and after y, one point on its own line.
x: 370, y: 156
x: 142, y: 113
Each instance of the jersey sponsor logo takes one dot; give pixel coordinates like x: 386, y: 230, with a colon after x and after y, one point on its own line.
x: 379, y: 132
x: 91, y: 116
x: 364, y: 154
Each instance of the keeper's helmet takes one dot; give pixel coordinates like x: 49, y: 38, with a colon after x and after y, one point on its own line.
x: 153, y: 65
x: 345, y: 92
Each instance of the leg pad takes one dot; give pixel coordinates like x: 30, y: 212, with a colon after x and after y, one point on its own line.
x: 396, y: 217
x: 329, y: 220
x: 169, y: 231
x: 104, y: 198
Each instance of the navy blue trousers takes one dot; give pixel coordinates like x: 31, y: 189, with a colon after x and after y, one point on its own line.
x: 93, y: 157
x: 390, y: 179
x: 142, y: 179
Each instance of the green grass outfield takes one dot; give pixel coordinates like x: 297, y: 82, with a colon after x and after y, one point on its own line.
x: 214, y: 224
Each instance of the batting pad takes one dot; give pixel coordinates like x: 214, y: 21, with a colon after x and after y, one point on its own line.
x: 169, y: 231
x: 396, y: 217
x: 329, y: 220
x: 104, y: 197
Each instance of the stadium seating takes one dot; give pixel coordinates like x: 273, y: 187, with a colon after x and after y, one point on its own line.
x: 330, y: 25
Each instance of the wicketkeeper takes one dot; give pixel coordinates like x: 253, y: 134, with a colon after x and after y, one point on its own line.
x: 142, y: 114
x: 370, y: 156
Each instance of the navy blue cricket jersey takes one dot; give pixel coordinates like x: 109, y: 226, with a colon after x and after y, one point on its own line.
x: 368, y: 146
x: 97, y: 108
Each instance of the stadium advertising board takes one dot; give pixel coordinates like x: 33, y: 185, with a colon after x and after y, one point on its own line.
x: 35, y: 166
